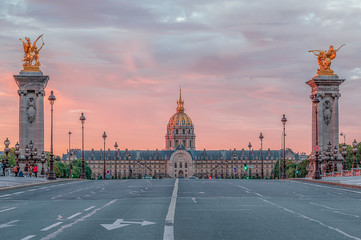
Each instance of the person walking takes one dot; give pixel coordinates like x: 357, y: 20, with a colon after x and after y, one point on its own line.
x: 35, y: 170
x: 16, y: 170
x: 30, y: 170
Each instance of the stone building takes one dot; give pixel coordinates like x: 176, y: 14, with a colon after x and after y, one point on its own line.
x: 180, y: 157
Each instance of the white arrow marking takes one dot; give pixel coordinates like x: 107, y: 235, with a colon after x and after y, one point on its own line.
x: 8, y: 209
x: 115, y: 225
x: 8, y: 224
x: 121, y: 223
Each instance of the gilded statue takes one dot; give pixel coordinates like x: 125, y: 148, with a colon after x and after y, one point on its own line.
x: 31, y: 54
x: 324, y: 60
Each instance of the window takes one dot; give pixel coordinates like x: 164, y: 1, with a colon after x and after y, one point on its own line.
x: 180, y: 165
x: 185, y: 165
x: 176, y: 131
x: 175, y: 165
x: 184, y: 131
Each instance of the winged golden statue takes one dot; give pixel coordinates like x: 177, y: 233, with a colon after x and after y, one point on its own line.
x: 31, y: 54
x: 324, y: 60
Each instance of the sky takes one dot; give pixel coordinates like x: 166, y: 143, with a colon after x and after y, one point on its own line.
x: 241, y: 66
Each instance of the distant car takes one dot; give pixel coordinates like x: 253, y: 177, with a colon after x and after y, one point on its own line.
x: 147, y: 177
x: 192, y: 177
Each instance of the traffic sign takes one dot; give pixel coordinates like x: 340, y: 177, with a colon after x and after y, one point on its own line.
x: 316, y: 148
x: 235, y: 170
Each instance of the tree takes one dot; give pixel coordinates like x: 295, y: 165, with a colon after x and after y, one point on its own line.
x: 11, y: 157
x: 302, y: 168
x: 61, y: 169
x: 77, y: 169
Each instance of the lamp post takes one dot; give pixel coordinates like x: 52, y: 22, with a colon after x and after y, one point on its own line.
x: 33, y: 153
x: 116, y: 158
x: 104, y: 137
x: 43, y: 158
x: 316, y: 174
x: 249, y: 156
x: 261, y: 138
x: 82, y: 120
x: 354, y: 151
x: 6, y: 150
x: 51, y: 175
x: 69, y: 146
x: 344, y: 154
x: 335, y: 155
x: 130, y: 168
x: 26, y: 154
x: 284, y: 120
x: 17, y: 153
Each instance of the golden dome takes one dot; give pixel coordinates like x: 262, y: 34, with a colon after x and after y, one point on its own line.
x: 180, y: 119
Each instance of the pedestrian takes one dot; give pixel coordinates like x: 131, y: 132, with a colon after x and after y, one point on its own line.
x: 30, y: 170
x: 16, y: 170
x: 35, y: 170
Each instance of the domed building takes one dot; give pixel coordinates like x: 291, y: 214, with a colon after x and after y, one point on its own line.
x: 180, y: 159
x: 180, y: 129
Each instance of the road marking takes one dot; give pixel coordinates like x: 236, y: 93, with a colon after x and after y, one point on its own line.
x: 5, y: 195
x: 8, y: 224
x: 324, y: 206
x: 8, y: 209
x: 18, y: 193
x: 51, y: 226
x: 89, y: 208
x: 28, y: 237
x: 74, y: 215
x: 169, y: 219
x: 62, y: 228
x: 311, y: 219
x: 31, y: 190
x: 194, y: 200
x: 121, y: 223
x: 321, y: 186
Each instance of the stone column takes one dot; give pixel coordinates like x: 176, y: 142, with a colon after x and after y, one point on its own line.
x: 31, y: 109
x: 326, y: 87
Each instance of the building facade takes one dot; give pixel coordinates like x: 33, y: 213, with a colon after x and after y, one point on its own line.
x: 180, y: 157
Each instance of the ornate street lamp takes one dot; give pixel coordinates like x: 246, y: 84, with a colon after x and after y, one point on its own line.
x: 69, y: 146
x: 249, y: 156
x: 344, y: 154
x: 17, y: 152
x: 26, y: 154
x: 316, y: 174
x: 51, y: 175
x: 104, y: 137
x: 116, y: 158
x: 335, y: 155
x: 354, y: 151
x: 284, y: 120
x: 130, y: 168
x: 82, y: 120
x: 6, y: 150
x: 43, y: 159
x: 261, y: 138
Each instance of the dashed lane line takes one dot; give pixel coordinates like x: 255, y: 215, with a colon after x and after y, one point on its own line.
x: 74, y: 215
x: 8, y: 209
x: 51, y: 226
x: 28, y: 237
x: 89, y: 208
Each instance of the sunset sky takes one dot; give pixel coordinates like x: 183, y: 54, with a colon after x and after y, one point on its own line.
x: 241, y: 65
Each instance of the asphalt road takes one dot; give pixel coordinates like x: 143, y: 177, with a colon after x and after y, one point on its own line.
x: 181, y: 209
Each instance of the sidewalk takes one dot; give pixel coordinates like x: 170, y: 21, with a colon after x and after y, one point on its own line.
x: 18, y: 182
x: 352, y: 182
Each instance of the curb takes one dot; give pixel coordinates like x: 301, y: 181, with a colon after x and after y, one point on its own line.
x: 327, y: 183
x: 36, y: 184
